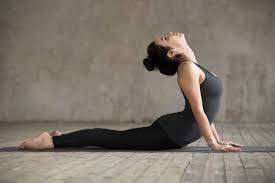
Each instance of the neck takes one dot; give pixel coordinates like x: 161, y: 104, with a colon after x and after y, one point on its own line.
x: 183, y: 58
x: 188, y: 60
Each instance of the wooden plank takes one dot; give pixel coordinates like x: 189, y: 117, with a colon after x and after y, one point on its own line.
x: 234, y: 171
x: 255, y: 133
x: 214, y: 170
x: 252, y: 168
x: 153, y: 173
x: 256, y: 175
x: 130, y: 170
x: 237, y: 137
x: 176, y: 169
x: 42, y: 168
x: 249, y: 160
x: 105, y: 170
x: 227, y: 132
x: 112, y: 174
x: 250, y: 141
x: 268, y: 134
x: 101, y: 163
x: 195, y: 170
x: 268, y: 164
x: 272, y: 154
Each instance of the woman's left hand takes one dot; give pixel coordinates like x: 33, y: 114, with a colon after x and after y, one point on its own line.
x: 229, y: 143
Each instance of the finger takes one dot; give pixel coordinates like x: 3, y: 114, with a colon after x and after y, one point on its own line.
x: 236, y: 148
x: 229, y: 149
x: 232, y: 149
x: 233, y: 144
x: 236, y: 145
x: 224, y: 150
x: 240, y: 145
x: 227, y: 145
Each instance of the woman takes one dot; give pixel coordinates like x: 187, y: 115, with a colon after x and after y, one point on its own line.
x: 201, y: 89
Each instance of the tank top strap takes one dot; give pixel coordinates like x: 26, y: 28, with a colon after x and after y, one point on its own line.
x: 193, y: 62
x: 201, y: 67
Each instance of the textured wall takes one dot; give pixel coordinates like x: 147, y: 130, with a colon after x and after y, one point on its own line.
x: 82, y: 60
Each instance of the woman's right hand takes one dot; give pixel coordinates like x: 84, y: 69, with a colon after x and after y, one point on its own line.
x: 225, y: 148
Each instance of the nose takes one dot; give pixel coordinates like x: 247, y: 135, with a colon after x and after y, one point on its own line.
x: 175, y: 33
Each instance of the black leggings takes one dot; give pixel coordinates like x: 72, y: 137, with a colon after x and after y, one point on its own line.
x: 142, y: 138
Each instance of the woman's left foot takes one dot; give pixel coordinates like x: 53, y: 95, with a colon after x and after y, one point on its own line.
x: 55, y: 133
x: 43, y: 141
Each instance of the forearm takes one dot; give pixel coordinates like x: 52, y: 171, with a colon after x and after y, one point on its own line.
x: 215, y: 133
x: 204, y: 126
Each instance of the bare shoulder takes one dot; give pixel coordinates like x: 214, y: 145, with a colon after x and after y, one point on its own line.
x: 188, y: 71
x: 188, y: 80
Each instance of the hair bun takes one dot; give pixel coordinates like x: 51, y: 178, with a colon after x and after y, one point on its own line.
x: 148, y: 63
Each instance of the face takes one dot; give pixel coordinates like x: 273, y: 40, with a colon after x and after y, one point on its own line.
x: 174, y: 40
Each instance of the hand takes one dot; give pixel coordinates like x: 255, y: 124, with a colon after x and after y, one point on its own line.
x: 221, y: 142
x: 225, y: 148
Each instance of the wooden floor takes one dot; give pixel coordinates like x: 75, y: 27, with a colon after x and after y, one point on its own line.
x: 98, y: 165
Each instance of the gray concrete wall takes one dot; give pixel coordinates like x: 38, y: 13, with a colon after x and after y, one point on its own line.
x: 82, y: 60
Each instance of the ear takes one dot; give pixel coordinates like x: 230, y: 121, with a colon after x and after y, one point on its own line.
x: 171, y: 53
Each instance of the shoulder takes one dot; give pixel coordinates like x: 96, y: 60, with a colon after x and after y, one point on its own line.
x: 188, y: 70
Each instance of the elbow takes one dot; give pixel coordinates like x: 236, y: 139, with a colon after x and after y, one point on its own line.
x: 198, y: 111
x: 200, y: 115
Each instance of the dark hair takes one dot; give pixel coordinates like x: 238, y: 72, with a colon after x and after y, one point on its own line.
x: 157, y: 58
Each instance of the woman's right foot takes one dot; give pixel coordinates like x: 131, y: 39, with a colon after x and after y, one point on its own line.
x: 55, y: 133
x: 43, y: 141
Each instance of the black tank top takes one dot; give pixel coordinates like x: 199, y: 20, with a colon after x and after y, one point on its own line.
x: 211, y: 92
x: 181, y: 126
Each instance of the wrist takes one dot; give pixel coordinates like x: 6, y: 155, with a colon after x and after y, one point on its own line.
x: 214, y: 145
x: 212, y: 142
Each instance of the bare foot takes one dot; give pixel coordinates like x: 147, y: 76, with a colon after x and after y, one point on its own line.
x: 43, y: 141
x: 55, y: 133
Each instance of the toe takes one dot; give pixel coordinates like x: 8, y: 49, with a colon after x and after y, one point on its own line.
x: 21, y: 146
x: 55, y: 133
x: 45, y: 133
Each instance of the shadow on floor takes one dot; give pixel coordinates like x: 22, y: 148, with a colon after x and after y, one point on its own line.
x: 202, y: 149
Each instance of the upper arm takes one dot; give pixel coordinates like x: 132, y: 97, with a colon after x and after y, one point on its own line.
x: 188, y: 80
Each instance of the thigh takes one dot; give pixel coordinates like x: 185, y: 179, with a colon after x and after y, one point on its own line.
x: 148, y: 137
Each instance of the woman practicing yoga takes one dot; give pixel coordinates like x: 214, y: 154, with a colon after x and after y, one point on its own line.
x: 201, y: 89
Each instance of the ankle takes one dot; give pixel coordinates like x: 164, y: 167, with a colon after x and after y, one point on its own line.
x: 47, y: 140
